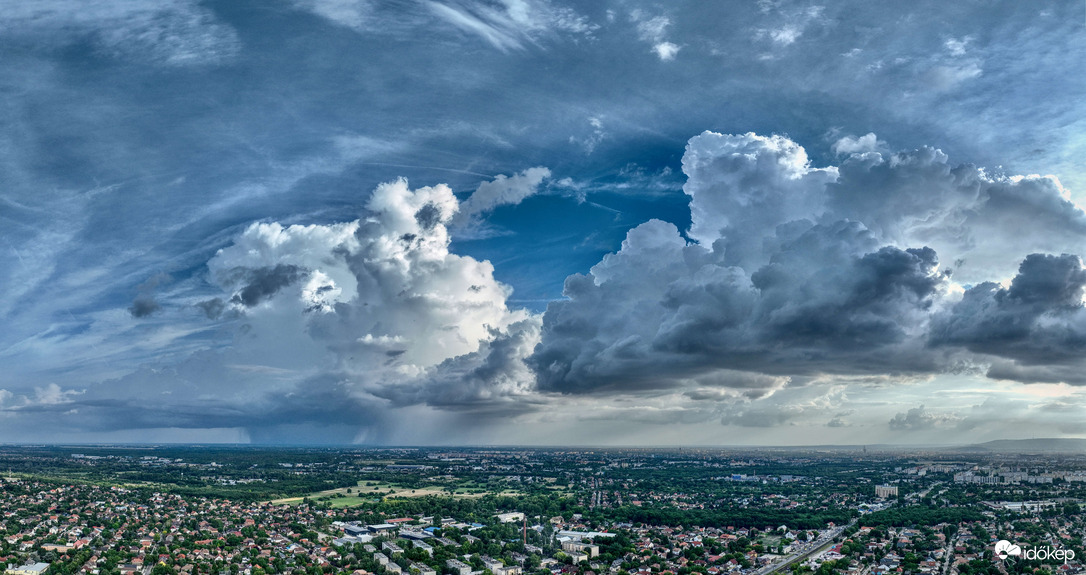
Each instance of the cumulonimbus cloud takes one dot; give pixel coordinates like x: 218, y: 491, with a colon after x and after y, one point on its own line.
x: 852, y: 269
x: 356, y: 316
x: 387, y: 299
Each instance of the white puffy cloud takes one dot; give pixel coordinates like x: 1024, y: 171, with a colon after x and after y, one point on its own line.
x: 47, y: 397
x: 856, y: 145
x: 501, y: 191
x: 666, y: 51
x: 742, y: 187
x: 654, y: 31
x: 383, y: 294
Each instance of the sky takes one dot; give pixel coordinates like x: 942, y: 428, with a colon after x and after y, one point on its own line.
x: 548, y: 222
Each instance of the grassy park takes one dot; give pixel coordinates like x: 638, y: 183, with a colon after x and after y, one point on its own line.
x: 366, y: 491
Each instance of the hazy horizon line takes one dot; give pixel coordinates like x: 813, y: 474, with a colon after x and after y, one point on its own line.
x: 841, y: 446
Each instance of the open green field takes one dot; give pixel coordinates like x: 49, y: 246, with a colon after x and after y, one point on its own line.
x: 340, y: 502
x: 366, y: 491
x: 770, y: 541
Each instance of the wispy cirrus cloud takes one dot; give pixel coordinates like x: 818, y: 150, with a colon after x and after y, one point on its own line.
x: 174, y: 32
x: 512, y: 24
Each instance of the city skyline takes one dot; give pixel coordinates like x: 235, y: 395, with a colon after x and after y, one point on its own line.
x: 535, y: 222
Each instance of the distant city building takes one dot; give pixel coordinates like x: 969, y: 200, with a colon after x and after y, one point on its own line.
x: 510, y: 517
x: 1027, y: 506
x: 970, y: 477
x: 421, y: 569
x: 458, y: 567
x: 29, y: 569
x: 885, y: 491
x: 575, y: 547
x: 415, y: 535
x: 351, y: 540
x: 395, y: 467
x: 579, y: 535
x: 493, y: 564
x: 356, y: 530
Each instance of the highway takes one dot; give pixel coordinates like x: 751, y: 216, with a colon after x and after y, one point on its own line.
x: 819, y: 545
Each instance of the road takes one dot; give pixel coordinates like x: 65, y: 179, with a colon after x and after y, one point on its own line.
x: 949, y: 553
x: 924, y: 493
x: 819, y: 545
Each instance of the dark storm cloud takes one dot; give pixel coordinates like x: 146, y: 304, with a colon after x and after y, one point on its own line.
x: 212, y: 308
x: 427, y: 217
x: 490, y: 382
x: 844, y: 312
x: 143, y: 306
x: 1038, y: 321
x: 844, y: 303
x: 806, y: 298
x: 188, y: 395
x: 1071, y: 372
x: 863, y: 303
x: 263, y: 283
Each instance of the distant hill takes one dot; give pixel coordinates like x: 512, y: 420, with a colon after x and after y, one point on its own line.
x: 1042, y: 445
